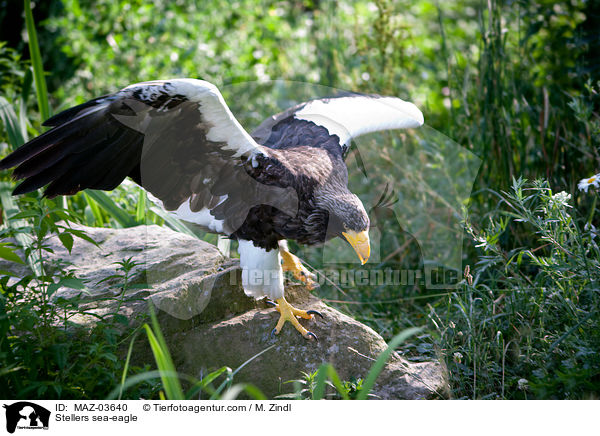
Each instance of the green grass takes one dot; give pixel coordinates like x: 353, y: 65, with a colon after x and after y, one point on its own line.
x: 528, y: 324
x: 36, y: 62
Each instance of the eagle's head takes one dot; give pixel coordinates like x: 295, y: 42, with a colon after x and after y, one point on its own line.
x: 347, y: 219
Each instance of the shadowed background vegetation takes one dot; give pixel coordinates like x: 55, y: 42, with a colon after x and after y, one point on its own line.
x: 514, y: 82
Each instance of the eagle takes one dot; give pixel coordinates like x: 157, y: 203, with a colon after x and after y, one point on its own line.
x: 178, y: 139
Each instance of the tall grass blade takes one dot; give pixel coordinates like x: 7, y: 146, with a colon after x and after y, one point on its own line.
x: 25, y: 241
x: 17, y: 132
x: 36, y: 61
x: 204, y: 384
x: 112, y: 208
x: 168, y: 373
x: 335, y: 379
x: 172, y: 222
x: 570, y: 331
x: 327, y: 371
x: 132, y: 381
x: 95, y: 209
x: 229, y: 380
x: 382, y: 359
x: 22, y: 103
x: 319, y: 390
x: 126, y: 367
x: 140, y: 210
x: 235, y: 391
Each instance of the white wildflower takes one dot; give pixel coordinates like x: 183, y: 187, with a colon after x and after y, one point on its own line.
x: 589, y: 227
x: 457, y: 357
x: 523, y: 384
x: 560, y: 200
x: 584, y: 184
x: 261, y: 74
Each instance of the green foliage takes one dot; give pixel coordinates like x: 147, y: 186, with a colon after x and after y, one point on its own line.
x: 508, y: 96
x: 168, y: 373
x: 42, y: 352
x: 527, y: 325
x: 314, y: 386
x: 36, y: 60
x: 170, y: 378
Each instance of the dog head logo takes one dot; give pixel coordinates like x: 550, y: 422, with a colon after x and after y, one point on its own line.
x: 26, y: 415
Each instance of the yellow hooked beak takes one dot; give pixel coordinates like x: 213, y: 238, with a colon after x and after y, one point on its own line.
x: 360, y: 243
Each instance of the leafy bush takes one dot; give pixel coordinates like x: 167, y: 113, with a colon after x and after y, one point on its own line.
x: 525, y: 322
x: 42, y: 352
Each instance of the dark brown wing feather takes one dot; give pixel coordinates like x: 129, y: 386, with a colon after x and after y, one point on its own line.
x: 159, y: 134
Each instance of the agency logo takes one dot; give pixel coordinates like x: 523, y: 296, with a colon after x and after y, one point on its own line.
x: 26, y: 415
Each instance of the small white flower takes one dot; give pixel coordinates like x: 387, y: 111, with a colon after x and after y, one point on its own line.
x: 457, y: 357
x: 523, y: 384
x: 584, y: 184
x: 560, y: 200
x: 592, y: 229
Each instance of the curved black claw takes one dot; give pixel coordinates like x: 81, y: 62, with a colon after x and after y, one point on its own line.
x: 271, y: 303
x: 309, y: 335
x: 273, y: 332
x: 314, y: 312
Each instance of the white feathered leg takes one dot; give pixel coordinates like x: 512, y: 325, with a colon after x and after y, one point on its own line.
x: 262, y: 275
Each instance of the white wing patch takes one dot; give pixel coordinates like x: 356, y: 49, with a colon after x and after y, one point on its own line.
x: 203, y: 217
x: 224, y: 126
x: 352, y: 116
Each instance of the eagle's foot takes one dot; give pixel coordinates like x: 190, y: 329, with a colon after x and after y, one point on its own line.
x: 293, y: 264
x: 291, y: 314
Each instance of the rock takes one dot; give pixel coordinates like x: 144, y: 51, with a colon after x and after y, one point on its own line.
x: 347, y: 344
x: 209, y: 322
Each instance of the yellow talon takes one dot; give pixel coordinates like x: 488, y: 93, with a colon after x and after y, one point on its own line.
x: 293, y: 264
x: 290, y: 313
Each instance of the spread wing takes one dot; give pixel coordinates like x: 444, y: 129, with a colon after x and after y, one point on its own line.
x: 332, y: 122
x: 176, y: 138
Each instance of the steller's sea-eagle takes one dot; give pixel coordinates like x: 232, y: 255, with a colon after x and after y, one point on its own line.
x: 179, y: 141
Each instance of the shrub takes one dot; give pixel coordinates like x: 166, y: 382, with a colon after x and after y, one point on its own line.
x: 526, y: 324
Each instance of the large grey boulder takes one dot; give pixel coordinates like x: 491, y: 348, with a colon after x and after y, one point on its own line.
x: 209, y: 322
